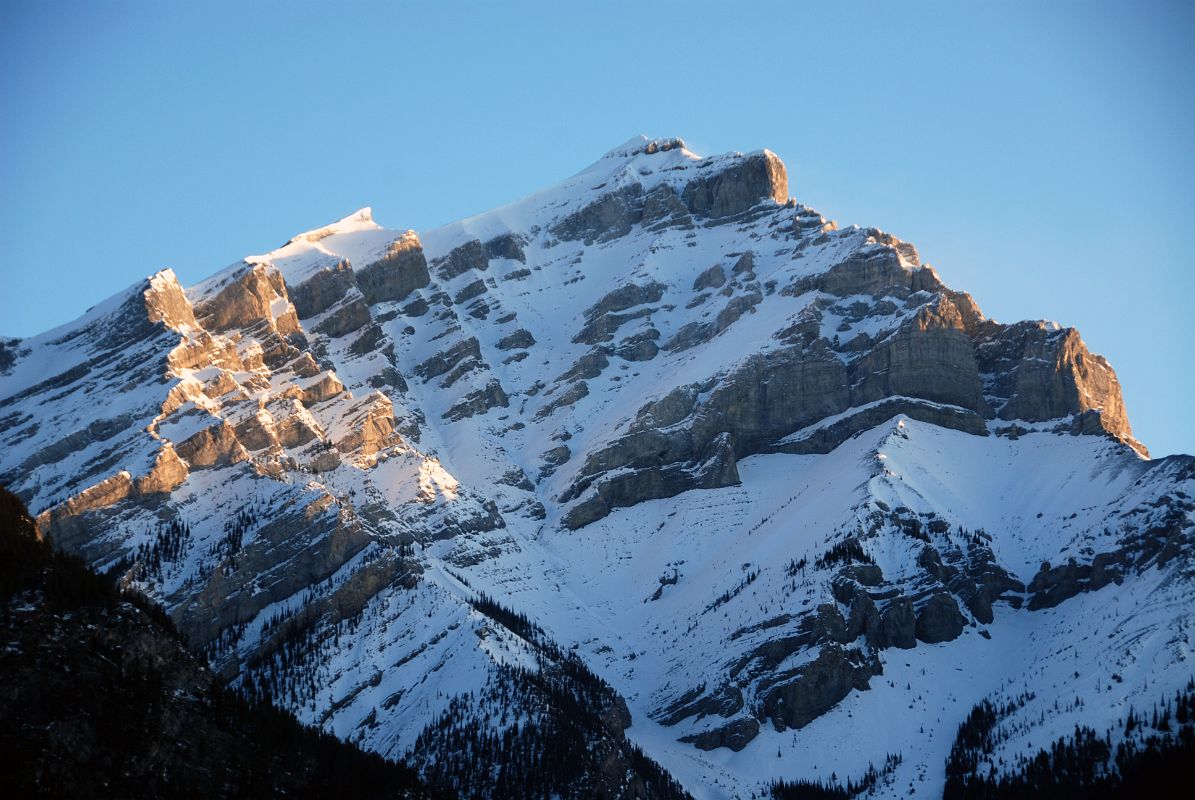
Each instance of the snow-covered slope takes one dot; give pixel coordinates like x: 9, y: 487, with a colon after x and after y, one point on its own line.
x: 770, y: 481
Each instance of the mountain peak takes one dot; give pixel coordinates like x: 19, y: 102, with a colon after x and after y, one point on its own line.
x: 166, y: 302
x: 361, y: 219
x: 614, y: 189
x: 644, y: 145
x: 657, y: 396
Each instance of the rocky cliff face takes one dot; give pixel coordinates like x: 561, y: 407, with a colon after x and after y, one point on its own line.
x: 937, y: 359
x: 762, y: 475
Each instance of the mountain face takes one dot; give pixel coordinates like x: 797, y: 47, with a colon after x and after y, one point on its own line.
x: 657, y: 461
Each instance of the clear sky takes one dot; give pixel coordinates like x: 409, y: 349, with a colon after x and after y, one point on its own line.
x: 1039, y: 154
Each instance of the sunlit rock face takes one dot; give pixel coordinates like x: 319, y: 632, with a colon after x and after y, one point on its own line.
x: 763, y: 475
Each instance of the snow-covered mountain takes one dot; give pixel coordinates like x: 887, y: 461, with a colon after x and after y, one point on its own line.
x: 657, y: 446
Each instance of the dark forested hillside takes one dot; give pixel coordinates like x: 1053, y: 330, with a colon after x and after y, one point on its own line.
x: 100, y: 698
x: 1148, y: 756
x: 560, y: 732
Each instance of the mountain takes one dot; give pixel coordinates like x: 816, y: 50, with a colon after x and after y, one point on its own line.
x: 657, y: 462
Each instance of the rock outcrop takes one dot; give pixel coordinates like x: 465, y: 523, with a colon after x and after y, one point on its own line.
x: 739, y: 187
x: 323, y: 290
x: 1040, y: 372
x: 732, y: 186
x: 795, y: 701
x: 733, y: 735
x: 402, y: 270
x: 939, y: 620
x: 254, y: 294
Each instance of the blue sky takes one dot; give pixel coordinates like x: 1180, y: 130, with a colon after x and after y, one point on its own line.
x: 1038, y: 154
